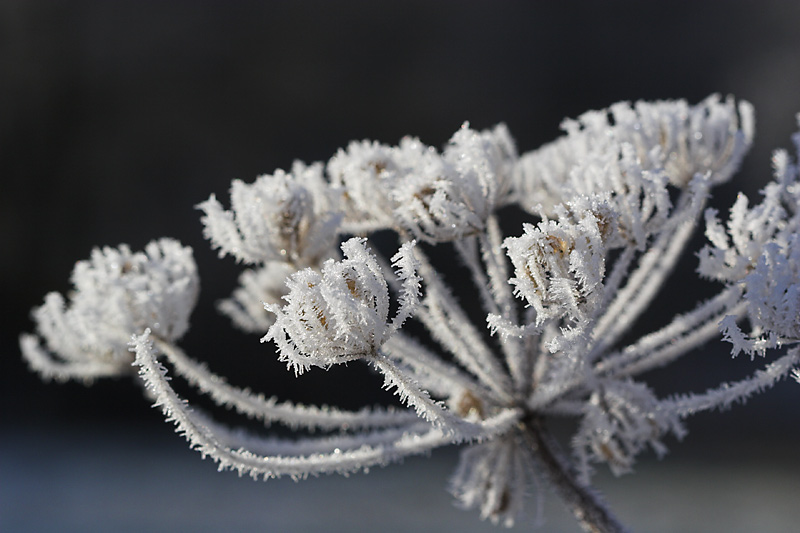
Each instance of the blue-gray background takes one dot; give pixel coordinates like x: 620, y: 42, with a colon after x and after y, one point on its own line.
x: 116, y: 118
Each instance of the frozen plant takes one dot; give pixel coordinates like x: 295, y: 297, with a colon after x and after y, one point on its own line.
x: 611, y: 206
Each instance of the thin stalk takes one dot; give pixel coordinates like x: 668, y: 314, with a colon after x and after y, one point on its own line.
x: 587, y: 507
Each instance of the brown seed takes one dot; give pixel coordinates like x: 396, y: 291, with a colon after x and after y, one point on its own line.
x: 469, y: 404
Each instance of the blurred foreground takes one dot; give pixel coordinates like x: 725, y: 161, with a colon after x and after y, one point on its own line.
x: 127, y: 479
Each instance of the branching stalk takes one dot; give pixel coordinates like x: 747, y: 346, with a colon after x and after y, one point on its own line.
x: 585, y: 504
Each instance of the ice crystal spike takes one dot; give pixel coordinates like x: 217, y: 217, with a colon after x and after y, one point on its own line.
x: 335, y: 315
x: 340, y: 313
x: 610, y: 208
x: 287, y: 217
x: 257, y: 286
x: 559, y: 267
x: 116, y: 292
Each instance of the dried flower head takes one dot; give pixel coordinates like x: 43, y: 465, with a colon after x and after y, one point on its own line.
x: 116, y: 292
x: 340, y: 313
x: 290, y: 217
x: 611, y: 207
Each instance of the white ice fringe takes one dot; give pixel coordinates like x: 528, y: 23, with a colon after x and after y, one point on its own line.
x: 340, y: 314
x: 291, y: 217
x: 609, y: 209
x: 214, y: 441
x: 116, y: 292
x: 257, y: 286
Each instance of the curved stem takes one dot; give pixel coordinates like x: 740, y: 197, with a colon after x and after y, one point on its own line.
x: 269, y: 409
x: 587, y: 507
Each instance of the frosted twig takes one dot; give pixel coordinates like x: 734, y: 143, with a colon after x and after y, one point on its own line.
x: 600, y: 238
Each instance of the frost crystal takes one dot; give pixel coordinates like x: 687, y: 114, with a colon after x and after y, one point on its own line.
x: 437, y: 197
x: 339, y: 314
x: 117, y: 292
x: 609, y: 207
x: 257, y: 287
x: 282, y: 217
x: 560, y: 266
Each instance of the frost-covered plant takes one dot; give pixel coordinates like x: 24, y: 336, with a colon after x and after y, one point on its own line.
x: 611, y: 207
x: 116, y: 292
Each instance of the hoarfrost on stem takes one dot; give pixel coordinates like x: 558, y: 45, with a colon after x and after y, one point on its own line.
x: 611, y: 206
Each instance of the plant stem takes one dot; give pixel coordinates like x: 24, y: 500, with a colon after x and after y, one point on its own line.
x: 585, y: 504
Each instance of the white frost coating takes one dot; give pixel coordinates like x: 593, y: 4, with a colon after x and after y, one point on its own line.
x: 116, y: 292
x: 288, y: 217
x: 618, y: 422
x: 340, y: 314
x: 608, y: 209
x: 759, y: 250
x: 712, y: 136
x: 364, y: 172
x: 669, y: 137
x: 257, y: 286
x: 436, y: 196
x: 195, y: 429
x: 443, y: 199
x: 271, y: 409
x: 724, y: 396
x: 559, y: 267
x: 494, y: 477
x: 363, y: 453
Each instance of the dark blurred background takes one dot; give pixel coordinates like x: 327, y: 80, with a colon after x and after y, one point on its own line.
x: 117, y: 118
